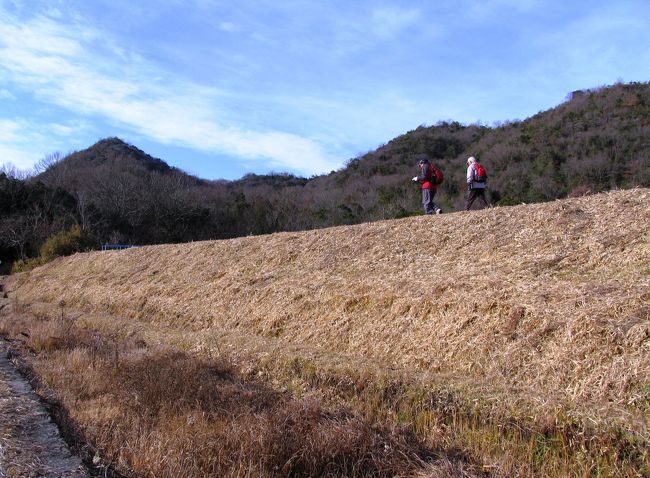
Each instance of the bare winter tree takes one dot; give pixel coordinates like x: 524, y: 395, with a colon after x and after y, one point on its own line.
x: 13, y: 172
x: 48, y: 162
x: 18, y: 231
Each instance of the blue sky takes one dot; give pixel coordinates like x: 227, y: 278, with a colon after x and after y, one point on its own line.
x: 222, y: 88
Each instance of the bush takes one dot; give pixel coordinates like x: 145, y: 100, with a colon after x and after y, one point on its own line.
x: 24, y: 265
x: 63, y: 243
x: 68, y: 242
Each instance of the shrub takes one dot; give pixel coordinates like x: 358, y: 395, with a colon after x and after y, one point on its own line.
x: 63, y: 243
x: 24, y: 265
x: 68, y: 242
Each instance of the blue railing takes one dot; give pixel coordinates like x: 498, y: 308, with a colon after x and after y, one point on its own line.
x: 116, y: 247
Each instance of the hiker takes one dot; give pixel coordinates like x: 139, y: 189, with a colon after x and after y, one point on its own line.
x: 476, y: 182
x: 429, y: 178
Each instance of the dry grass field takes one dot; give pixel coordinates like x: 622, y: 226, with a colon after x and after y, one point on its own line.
x: 509, y: 341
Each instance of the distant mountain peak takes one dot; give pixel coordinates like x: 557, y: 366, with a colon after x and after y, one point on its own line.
x: 114, y: 148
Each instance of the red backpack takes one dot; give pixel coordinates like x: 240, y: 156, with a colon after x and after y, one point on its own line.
x: 480, y: 174
x: 435, y: 175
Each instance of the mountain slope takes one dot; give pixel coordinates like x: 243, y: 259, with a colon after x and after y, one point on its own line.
x: 545, y: 300
x: 596, y: 140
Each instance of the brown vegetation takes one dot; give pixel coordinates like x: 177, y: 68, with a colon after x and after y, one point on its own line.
x: 161, y: 412
x: 518, y: 335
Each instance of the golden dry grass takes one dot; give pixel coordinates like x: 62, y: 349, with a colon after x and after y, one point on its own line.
x: 545, y: 303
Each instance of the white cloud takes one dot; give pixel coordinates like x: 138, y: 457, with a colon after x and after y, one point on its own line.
x: 9, y: 130
x: 41, y: 36
x: 70, y: 130
x: 60, y: 66
x: 23, y: 142
x: 16, y: 147
x: 19, y: 156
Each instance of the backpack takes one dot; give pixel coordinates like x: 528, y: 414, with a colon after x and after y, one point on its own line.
x: 480, y: 174
x: 435, y: 175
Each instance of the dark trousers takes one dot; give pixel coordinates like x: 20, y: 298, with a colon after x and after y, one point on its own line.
x: 473, y: 195
x: 427, y: 201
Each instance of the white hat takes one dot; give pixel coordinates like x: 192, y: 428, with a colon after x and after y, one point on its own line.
x: 471, y: 159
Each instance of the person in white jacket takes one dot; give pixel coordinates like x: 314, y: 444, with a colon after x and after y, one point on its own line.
x: 475, y: 183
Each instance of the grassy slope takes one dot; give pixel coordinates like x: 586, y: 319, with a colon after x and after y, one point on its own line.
x: 548, y: 303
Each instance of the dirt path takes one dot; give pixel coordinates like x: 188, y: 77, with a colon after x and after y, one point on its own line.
x: 30, y: 443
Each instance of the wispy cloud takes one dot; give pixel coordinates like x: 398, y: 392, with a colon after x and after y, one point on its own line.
x: 24, y: 141
x: 17, y: 155
x: 9, y: 130
x: 608, y: 42
x: 59, y: 65
x: 17, y: 147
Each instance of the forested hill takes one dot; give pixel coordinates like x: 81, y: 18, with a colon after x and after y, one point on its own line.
x: 597, y: 140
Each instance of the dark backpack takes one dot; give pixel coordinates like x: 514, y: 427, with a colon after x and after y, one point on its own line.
x: 480, y: 174
x: 435, y: 175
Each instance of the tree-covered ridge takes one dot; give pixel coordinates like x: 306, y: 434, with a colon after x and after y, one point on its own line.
x: 596, y: 140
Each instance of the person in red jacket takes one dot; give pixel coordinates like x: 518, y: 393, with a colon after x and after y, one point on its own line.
x: 428, y: 186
